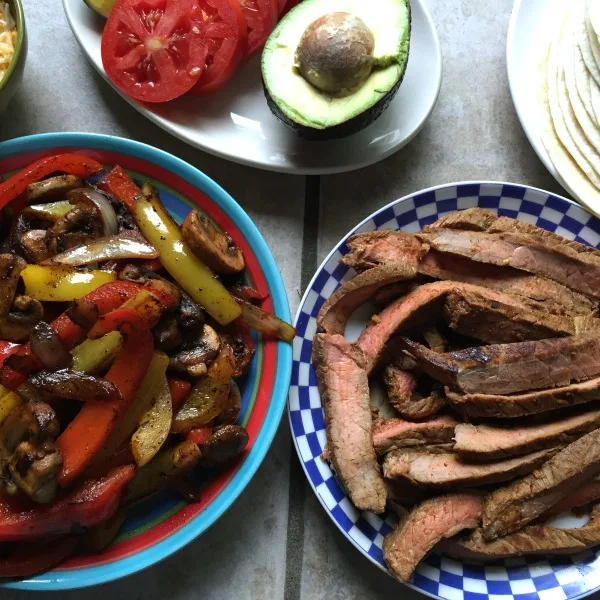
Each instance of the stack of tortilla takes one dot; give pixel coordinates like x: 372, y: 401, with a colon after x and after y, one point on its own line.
x: 570, y: 99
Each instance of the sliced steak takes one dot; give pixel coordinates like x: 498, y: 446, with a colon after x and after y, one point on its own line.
x: 500, y: 406
x: 382, y: 247
x: 350, y: 295
x: 392, y: 434
x: 587, y: 493
x: 427, y: 524
x: 420, y: 306
x: 511, y: 368
x: 514, y: 506
x: 472, y: 219
x: 393, y: 291
x: 579, y: 271
x: 403, y: 396
x: 447, y: 471
x: 489, y: 442
x: 344, y: 388
x: 435, y: 340
x: 495, y: 318
x: 531, y: 289
x: 535, y: 539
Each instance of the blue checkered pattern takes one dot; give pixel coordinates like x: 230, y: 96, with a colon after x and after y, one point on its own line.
x: 526, y: 578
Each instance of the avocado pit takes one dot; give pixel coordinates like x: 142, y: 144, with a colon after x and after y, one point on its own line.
x: 335, y: 53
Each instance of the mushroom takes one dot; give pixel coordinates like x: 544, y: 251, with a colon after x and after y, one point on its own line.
x: 193, y: 361
x: 52, y: 187
x: 167, y: 334
x: 18, y: 315
x: 223, y: 446
x: 76, y: 228
x: 33, y: 243
x: 29, y: 458
x: 213, y: 247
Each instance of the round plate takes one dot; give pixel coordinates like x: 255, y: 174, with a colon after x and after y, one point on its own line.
x: 163, y: 523
x: 237, y: 125
x: 526, y: 45
x: 520, y: 578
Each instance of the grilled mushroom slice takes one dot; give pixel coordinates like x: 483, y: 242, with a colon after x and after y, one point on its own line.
x: 52, y: 188
x: 223, y: 446
x: 78, y: 227
x: 193, y: 361
x: 214, y: 248
x: 33, y: 243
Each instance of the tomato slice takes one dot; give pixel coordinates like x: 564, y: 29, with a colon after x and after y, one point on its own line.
x: 281, y: 5
x: 226, y: 33
x: 287, y: 6
x: 154, y: 50
x: 261, y: 18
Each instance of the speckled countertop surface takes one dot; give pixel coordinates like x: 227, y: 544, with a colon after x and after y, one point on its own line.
x: 276, y: 541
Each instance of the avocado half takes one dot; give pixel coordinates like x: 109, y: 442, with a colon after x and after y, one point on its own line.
x: 317, y: 115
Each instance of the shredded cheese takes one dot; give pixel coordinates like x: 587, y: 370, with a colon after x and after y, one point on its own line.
x: 8, y: 37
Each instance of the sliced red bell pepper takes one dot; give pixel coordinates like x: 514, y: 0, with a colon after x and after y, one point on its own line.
x: 121, y: 186
x: 72, y: 164
x: 89, y: 430
x: 106, y: 298
x: 152, y: 264
x: 92, y: 503
x: 31, y: 558
x: 6, y: 349
x: 199, y: 435
x: 180, y: 390
x: 248, y: 293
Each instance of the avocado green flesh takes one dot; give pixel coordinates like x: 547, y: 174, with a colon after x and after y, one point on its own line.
x: 305, y: 105
x: 102, y: 7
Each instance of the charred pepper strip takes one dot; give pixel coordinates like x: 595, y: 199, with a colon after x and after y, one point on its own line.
x: 87, y: 433
x: 73, y: 164
x: 29, y: 558
x: 180, y: 390
x: 121, y: 186
x: 93, y: 502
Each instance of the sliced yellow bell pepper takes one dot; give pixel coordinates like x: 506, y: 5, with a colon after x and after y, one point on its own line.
x: 92, y: 356
x: 61, y: 284
x: 179, y: 260
x: 52, y: 211
x: 8, y: 402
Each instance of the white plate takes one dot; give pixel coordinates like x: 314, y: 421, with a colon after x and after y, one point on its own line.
x: 527, y: 42
x: 236, y: 123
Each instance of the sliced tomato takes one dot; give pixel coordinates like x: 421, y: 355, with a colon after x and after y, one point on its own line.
x: 261, y: 18
x: 281, y: 5
x: 226, y: 33
x: 154, y: 50
x: 288, y: 6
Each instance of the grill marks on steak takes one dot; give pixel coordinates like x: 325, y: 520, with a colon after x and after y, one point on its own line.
x: 489, y: 442
x: 509, y: 508
x: 511, y: 368
x: 392, y: 434
x: 338, y: 308
x: 499, y: 318
x: 529, y: 403
x: 344, y: 388
x: 401, y: 388
x: 424, y: 526
x: 535, y: 539
x: 579, y: 271
x: 445, y: 470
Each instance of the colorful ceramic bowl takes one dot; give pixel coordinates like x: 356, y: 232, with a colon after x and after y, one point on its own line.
x: 14, y: 75
x: 163, y: 523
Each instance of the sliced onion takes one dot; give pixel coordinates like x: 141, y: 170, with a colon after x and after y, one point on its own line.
x: 48, y: 348
x: 127, y: 244
x: 260, y: 320
x: 109, y: 217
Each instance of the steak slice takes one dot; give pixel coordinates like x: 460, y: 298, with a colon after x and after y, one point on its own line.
x: 579, y: 271
x: 531, y: 289
x: 344, y: 388
x: 472, y: 219
x: 500, y: 406
x: 510, y: 368
x: 338, y: 308
x: 401, y: 388
x: 514, y: 506
x: 535, y: 539
x: 382, y: 247
x: 499, y: 318
x: 392, y: 434
x: 489, y: 442
x: 587, y: 493
x: 424, y: 526
x: 447, y: 471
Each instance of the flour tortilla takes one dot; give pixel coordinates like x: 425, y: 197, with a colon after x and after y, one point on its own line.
x: 559, y: 156
x: 593, y: 10
x: 594, y: 43
x: 584, y: 132
x: 595, y: 95
x: 582, y: 82
x: 555, y: 85
x: 583, y: 39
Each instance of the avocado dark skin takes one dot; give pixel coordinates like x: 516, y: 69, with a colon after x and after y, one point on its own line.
x: 364, y: 119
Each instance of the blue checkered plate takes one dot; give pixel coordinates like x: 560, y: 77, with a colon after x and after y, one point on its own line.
x: 521, y: 578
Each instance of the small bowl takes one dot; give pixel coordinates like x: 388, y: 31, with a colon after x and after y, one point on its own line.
x: 13, y: 77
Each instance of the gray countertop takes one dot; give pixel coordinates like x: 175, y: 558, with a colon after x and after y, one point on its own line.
x: 276, y: 541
